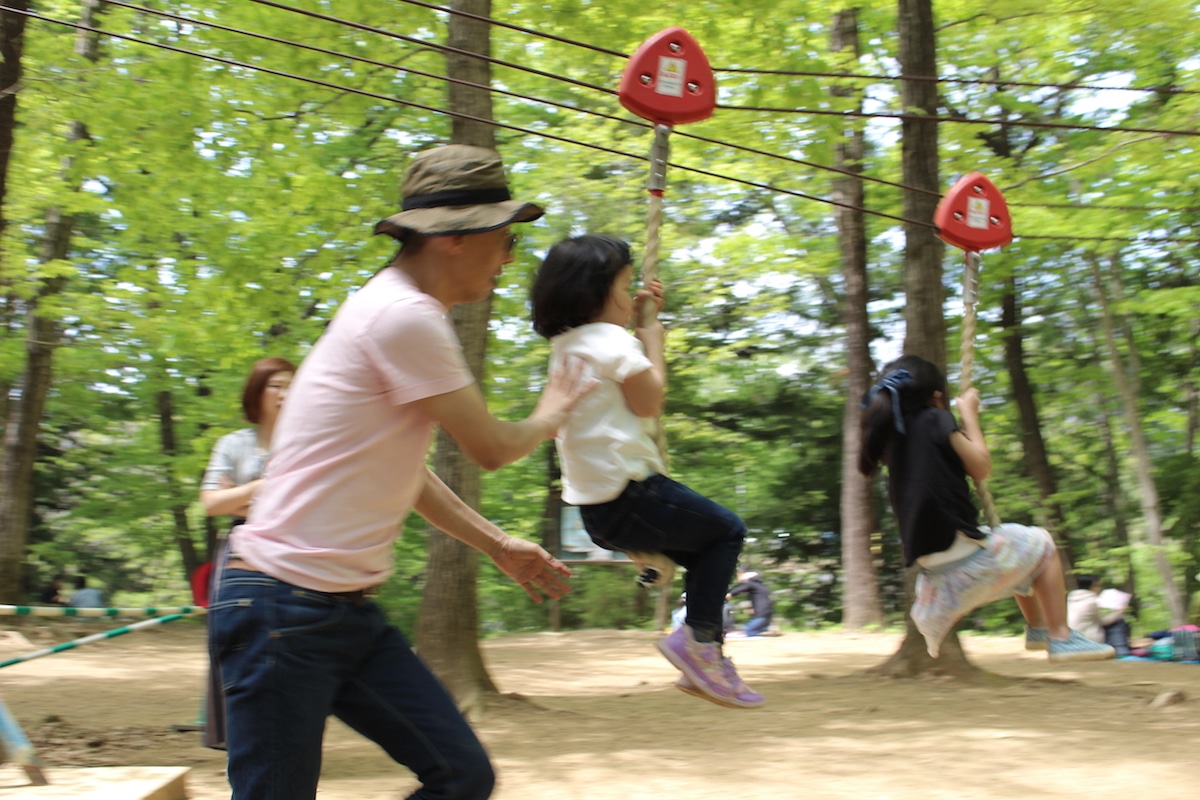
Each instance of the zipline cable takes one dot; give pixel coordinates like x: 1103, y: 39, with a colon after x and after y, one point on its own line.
x: 506, y: 93
x: 518, y: 28
x: 374, y: 95
x: 1071, y: 86
x: 1004, y: 123
x: 970, y: 81
x: 761, y: 109
x: 1105, y: 207
x: 388, y: 65
x: 445, y: 48
x: 361, y: 92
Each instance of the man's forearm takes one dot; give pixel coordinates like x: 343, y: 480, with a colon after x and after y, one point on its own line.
x: 447, y: 512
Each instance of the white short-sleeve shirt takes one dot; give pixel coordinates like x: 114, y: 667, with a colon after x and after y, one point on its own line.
x: 604, y: 445
x: 348, y: 453
x: 235, y: 456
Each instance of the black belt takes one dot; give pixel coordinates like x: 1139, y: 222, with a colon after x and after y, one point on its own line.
x: 359, y: 597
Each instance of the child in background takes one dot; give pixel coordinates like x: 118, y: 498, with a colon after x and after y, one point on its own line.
x: 908, y: 427
x: 612, y: 469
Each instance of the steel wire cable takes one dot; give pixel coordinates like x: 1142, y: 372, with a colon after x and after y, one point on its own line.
x: 806, y: 73
x: 374, y: 95
x: 518, y: 28
x: 565, y: 140
x: 445, y: 48
x: 1004, y: 123
x: 744, y: 148
x: 636, y: 122
x: 761, y: 109
x: 612, y: 117
x: 969, y: 81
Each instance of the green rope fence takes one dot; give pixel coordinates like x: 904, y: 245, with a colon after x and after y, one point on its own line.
x: 93, y: 638
x: 61, y: 611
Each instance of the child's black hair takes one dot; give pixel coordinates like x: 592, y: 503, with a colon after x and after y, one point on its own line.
x: 574, y: 281
x: 906, y: 386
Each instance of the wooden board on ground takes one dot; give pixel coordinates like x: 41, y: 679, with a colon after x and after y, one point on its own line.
x: 97, y: 783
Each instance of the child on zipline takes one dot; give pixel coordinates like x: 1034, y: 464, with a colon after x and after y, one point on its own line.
x: 908, y: 427
x: 611, y: 466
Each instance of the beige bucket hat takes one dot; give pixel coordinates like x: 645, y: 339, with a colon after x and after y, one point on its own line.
x: 456, y: 188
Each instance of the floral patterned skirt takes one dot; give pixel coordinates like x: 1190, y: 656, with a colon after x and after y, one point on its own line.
x: 1011, y: 557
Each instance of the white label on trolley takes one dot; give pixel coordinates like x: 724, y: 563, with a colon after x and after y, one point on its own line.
x: 670, y: 76
x: 977, y: 212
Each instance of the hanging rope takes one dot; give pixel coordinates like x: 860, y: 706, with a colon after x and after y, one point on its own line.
x: 967, y: 363
x: 656, y: 185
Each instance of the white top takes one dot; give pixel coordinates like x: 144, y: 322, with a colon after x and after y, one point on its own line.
x: 236, y: 456
x: 604, y: 445
x: 348, y: 453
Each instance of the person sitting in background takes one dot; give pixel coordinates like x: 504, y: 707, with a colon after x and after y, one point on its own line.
x: 52, y: 593
x: 679, y: 615
x: 83, y: 597
x: 1083, y: 609
x: 762, y: 608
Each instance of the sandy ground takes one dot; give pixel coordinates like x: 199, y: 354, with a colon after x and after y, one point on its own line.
x: 600, y: 720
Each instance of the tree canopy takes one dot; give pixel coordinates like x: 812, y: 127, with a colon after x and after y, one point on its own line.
x: 238, y: 152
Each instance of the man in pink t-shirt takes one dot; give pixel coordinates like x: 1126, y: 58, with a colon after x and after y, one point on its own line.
x: 291, y: 626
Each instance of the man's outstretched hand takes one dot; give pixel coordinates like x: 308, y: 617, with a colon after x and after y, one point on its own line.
x: 538, y: 572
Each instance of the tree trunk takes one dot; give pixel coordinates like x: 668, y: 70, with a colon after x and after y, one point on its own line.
x: 912, y: 660
x: 21, y: 427
x: 448, y: 626
x: 12, y: 47
x: 1114, y: 505
x: 925, y: 325
x: 12, y: 543
x: 860, y: 596
x: 41, y: 337
x: 1191, y: 393
x: 1037, y: 462
x: 1127, y: 389
x: 925, y: 297
x: 552, y: 524
x: 166, y: 437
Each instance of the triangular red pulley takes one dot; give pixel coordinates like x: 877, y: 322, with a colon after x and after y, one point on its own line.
x: 973, y: 215
x: 668, y: 80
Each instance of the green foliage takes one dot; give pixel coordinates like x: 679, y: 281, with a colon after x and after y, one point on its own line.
x: 222, y: 213
x: 605, y: 596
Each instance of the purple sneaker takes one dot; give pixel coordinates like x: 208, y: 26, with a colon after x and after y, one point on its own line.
x: 700, y: 662
x: 743, y: 696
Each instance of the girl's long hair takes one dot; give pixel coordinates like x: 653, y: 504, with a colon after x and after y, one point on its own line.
x: 893, y: 391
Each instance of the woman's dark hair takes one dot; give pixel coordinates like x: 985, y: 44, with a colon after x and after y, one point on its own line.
x: 907, y: 385
x: 1086, y: 581
x: 574, y: 281
x: 262, y: 371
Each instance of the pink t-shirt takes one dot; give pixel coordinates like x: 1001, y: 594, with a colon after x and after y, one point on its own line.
x: 348, y: 454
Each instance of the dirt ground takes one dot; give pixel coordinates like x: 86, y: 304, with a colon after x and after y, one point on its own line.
x: 597, y: 718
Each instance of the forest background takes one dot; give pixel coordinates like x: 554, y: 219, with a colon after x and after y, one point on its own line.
x: 167, y: 219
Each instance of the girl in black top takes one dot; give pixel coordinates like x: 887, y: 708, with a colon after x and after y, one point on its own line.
x: 907, y: 426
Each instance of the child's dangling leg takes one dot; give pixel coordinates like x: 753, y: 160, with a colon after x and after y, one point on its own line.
x: 1037, y: 635
x: 1064, y: 645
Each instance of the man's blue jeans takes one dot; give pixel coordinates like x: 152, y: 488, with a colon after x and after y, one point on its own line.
x: 664, y: 516
x: 290, y: 657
